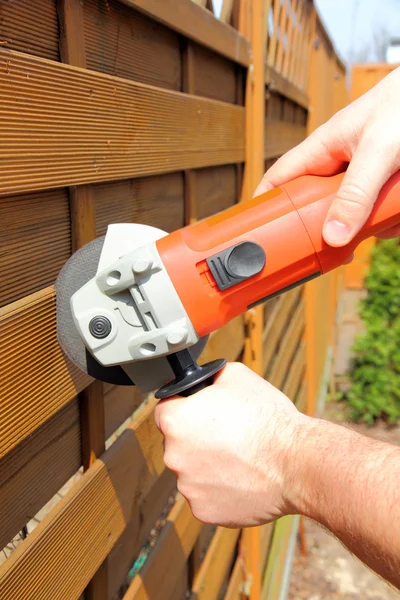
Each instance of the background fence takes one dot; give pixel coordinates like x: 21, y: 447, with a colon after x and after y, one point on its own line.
x: 160, y: 113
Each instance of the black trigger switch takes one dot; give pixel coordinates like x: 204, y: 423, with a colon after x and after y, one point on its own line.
x: 236, y: 264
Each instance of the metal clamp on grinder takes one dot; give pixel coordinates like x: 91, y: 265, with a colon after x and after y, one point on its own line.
x: 136, y: 306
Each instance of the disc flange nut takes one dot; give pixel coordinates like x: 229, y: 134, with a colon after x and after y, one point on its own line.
x: 100, y: 327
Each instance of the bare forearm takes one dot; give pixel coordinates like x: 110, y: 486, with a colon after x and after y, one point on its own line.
x: 350, y: 484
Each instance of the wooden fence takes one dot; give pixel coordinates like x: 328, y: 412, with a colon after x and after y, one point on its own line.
x: 156, y: 112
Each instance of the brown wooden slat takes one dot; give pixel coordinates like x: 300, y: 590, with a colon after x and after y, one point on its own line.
x: 277, y: 83
x: 296, y: 373
x: 198, y: 25
x: 61, y: 555
x: 215, y: 190
x: 234, y: 591
x: 287, y: 347
x: 214, y: 75
x: 216, y: 564
x: 141, y: 521
x: 225, y: 343
x: 82, y: 126
x: 37, y: 468
x: 281, y: 136
x: 35, y: 241
x: 156, y: 201
x: 301, y: 399
x: 120, y: 41
x: 30, y: 27
x: 37, y: 380
x: 276, y: 324
x: 161, y: 571
x: 120, y: 402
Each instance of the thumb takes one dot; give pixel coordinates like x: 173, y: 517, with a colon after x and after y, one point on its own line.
x: 369, y: 169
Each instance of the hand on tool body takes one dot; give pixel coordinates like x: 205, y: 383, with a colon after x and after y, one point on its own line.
x: 242, y: 453
x: 365, y: 134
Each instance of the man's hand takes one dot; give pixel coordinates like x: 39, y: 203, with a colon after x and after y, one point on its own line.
x: 230, y: 446
x: 365, y: 134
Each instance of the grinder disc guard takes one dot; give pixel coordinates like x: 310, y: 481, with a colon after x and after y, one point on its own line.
x: 79, y: 269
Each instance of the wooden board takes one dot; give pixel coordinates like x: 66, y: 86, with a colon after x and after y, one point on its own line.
x: 141, y: 521
x: 61, y: 555
x: 198, y: 25
x: 156, y: 201
x: 227, y: 342
x: 236, y: 581
x: 82, y: 127
x: 281, y: 136
x: 30, y: 27
x: 161, y: 571
x: 37, y: 380
x: 277, y: 83
x: 213, y: 76
x: 215, y: 190
x: 214, y: 569
x: 35, y: 241
x: 37, y: 468
x: 120, y: 402
x: 120, y: 41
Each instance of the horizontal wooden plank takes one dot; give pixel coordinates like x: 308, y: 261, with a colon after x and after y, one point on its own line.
x: 37, y: 379
x: 62, y: 125
x: 287, y: 347
x: 238, y: 577
x: 213, y: 571
x: 33, y: 472
x: 156, y: 201
x: 161, y: 571
x: 120, y: 402
x: 198, y: 25
x: 142, y: 519
x: 225, y: 343
x: 35, y: 242
x: 277, y: 321
x: 60, y: 556
x: 277, y: 83
x: 215, y: 190
x: 281, y: 136
x: 123, y: 42
x: 30, y: 27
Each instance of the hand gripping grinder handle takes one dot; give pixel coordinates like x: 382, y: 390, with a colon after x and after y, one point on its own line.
x: 255, y: 250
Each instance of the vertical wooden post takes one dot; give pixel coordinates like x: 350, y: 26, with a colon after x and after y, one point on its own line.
x: 83, y: 227
x: 252, y: 26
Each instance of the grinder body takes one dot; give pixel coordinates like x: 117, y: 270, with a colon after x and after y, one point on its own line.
x: 231, y: 261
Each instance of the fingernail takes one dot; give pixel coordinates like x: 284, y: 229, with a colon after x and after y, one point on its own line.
x: 336, y: 232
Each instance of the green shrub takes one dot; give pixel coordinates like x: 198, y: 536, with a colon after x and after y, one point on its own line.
x: 375, y: 375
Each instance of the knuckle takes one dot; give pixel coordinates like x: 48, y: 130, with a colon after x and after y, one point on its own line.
x: 166, y: 422
x: 170, y: 461
x: 352, y: 200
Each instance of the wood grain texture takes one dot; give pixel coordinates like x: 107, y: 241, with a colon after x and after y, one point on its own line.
x: 37, y: 468
x: 122, y: 42
x: 281, y: 136
x: 278, y: 83
x: 120, y: 402
x: 198, y: 25
x: 215, y: 567
x: 82, y: 126
x: 215, y: 76
x: 295, y: 373
x: 156, y: 201
x: 61, y: 555
x: 30, y: 27
x: 37, y: 380
x: 159, y: 575
x: 215, y: 190
x: 142, y: 519
x: 35, y: 242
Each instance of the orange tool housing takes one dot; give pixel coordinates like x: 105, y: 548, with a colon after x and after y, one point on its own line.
x: 223, y: 264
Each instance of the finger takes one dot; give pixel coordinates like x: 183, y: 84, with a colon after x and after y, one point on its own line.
x: 371, y: 166
x: 163, y: 408
x: 319, y: 154
x: 393, y: 232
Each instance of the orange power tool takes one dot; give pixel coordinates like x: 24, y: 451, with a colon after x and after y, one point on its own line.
x: 130, y: 305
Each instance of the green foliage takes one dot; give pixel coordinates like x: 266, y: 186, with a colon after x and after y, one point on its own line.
x: 375, y: 376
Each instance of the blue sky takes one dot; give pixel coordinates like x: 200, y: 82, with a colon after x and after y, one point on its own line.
x: 355, y: 25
